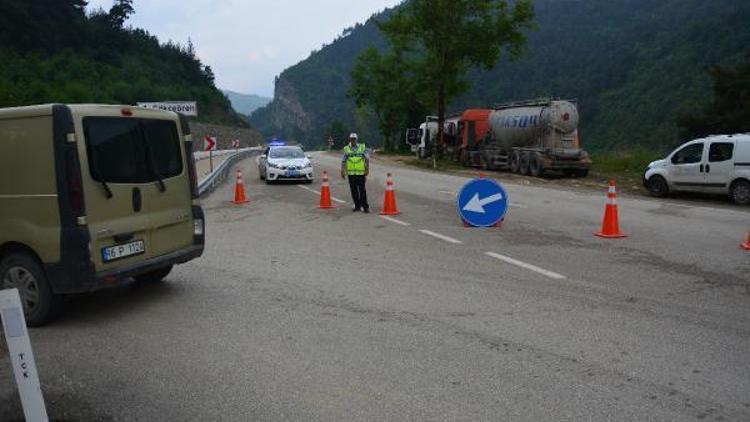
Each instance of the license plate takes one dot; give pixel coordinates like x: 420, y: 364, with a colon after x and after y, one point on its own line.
x: 123, y: 251
x: 292, y: 173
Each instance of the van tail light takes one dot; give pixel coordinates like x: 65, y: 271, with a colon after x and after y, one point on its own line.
x: 193, y: 174
x: 75, y: 184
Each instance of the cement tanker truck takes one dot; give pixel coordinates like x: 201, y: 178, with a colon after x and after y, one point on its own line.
x: 534, y: 137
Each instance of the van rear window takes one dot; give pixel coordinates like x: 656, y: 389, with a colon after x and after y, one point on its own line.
x: 122, y: 150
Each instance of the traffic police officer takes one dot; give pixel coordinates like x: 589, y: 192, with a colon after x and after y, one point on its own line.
x: 356, y: 165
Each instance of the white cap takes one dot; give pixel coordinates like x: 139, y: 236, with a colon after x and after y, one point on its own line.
x: 353, y: 135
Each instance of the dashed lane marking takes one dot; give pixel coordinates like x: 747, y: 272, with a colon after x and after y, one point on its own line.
x: 393, y: 220
x: 317, y: 192
x: 530, y: 267
x: 441, y: 237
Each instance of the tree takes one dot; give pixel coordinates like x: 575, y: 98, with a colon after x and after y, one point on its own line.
x: 730, y: 110
x: 446, y: 38
x: 385, y: 84
x: 120, y: 11
x: 339, y: 133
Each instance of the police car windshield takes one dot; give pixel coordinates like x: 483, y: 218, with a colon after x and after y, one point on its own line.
x: 286, y: 152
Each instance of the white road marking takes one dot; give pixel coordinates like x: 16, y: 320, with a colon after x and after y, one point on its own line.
x: 393, y: 220
x: 447, y: 192
x: 441, y: 237
x: 522, y: 264
x: 317, y: 192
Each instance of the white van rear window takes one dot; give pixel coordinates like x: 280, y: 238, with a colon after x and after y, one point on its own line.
x: 122, y: 150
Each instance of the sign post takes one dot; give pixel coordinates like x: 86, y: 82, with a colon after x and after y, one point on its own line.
x: 482, y: 203
x: 209, y: 143
x: 188, y: 108
x: 21, y: 356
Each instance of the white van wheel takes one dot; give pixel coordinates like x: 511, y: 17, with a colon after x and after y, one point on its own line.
x: 657, y: 186
x: 740, y: 192
x: 22, y: 272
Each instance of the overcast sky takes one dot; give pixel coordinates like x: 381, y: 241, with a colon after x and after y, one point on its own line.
x: 249, y: 42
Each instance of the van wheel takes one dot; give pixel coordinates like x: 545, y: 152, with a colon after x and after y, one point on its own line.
x: 658, y: 187
x: 740, y: 192
x: 523, y: 165
x: 535, y: 166
x: 22, y: 272
x: 153, y: 276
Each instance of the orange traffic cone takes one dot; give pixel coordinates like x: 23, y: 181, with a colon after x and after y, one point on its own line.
x: 239, y: 190
x: 325, y: 193
x: 746, y: 245
x: 611, y: 224
x: 389, y: 205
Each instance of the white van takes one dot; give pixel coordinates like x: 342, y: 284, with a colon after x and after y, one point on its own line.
x: 715, y: 164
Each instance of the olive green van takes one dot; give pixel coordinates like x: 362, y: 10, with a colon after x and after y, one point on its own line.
x: 92, y: 196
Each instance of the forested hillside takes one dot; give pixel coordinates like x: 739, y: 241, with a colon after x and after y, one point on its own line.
x: 636, y: 68
x: 51, y: 51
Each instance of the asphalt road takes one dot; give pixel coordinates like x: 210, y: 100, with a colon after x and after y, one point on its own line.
x: 299, y: 314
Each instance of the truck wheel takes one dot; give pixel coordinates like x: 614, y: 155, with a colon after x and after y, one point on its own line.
x: 657, y: 186
x: 515, y: 162
x: 535, y: 166
x: 740, y: 192
x: 154, y: 276
x: 582, y: 172
x: 486, y: 163
x: 523, y: 165
x: 21, y: 271
x: 464, y: 158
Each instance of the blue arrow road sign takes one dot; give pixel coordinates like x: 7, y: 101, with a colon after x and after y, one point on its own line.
x: 482, y: 203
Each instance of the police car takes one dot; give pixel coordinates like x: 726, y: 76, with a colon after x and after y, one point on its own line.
x: 284, y: 162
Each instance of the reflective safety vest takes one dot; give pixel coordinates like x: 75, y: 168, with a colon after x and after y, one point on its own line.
x: 355, y: 160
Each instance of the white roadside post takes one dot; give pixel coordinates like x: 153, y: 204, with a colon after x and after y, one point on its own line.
x: 21, y: 356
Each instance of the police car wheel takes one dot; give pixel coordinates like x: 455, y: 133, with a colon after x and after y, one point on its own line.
x: 21, y: 271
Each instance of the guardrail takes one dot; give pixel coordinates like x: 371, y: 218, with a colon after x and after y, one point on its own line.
x: 220, y: 173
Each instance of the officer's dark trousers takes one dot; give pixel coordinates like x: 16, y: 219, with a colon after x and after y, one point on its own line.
x: 359, y: 193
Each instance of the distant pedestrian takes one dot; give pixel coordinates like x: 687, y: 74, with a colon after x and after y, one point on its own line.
x: 356, y: 165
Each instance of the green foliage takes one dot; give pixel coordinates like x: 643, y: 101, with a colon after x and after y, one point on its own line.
x: 632, y: 162
x: 339, y: 132
x: 729, y: 112
x: 50, y: 51
x: 446, y: 38
x: 634, y: 66
x: 387, y: 85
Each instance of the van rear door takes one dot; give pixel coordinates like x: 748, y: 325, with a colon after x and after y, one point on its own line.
x: 114, y: 187
x: 138, y: 198
x: 169, y: 198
